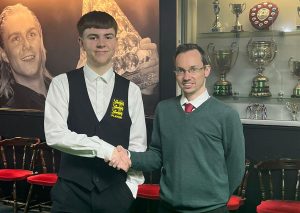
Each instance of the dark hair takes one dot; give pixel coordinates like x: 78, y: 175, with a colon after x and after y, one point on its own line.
x: 96, y: 19
x: 187, y: 47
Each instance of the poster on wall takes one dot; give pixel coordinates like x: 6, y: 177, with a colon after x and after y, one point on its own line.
x: 39, y: 40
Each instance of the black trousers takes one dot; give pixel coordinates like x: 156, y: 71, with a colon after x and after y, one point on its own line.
x: 166, y: 208
x: 68, y: 197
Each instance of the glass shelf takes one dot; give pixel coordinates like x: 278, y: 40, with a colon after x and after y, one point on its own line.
x: 247, y: 34
x: 262, y: 100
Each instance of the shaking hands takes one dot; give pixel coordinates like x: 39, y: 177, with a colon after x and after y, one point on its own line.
x: 120, y: 159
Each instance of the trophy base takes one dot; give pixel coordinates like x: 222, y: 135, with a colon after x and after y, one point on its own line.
x: 222, y: 88
x: 238, y: 28
x: 260, y: 87
x: 296, y: 91
x: 216, y: 29
x: 254, y: 93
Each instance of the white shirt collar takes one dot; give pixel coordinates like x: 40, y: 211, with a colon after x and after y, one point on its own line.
x: 197, y: 101
x: 91, y: 75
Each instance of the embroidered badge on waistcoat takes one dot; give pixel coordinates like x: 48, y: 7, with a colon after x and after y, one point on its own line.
x: 117, y: 109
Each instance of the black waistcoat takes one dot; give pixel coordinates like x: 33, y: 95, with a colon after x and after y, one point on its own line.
x: 114, y: 128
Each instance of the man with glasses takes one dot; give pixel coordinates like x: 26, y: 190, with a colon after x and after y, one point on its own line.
x: 197, y: 142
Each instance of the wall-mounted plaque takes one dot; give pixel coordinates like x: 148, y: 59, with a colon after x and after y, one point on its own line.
x: 263, y: 15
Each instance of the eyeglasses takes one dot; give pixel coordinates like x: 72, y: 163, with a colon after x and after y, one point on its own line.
x: 191, y: 70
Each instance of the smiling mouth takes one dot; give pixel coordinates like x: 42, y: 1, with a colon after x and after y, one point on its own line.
x: 28, y: 58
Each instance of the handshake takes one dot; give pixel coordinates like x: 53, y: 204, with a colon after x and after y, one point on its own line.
x: 120, y: 159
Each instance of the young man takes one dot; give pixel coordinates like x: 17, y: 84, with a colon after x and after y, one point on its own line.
x: 88, y: 112
x: 24, y: 79
x: 197, y: 141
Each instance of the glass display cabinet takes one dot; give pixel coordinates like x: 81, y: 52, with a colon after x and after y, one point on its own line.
x: 253, y: 48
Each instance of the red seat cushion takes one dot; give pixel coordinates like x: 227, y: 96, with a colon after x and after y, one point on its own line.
x: 278, y: 206
x: 14, y: 174
x: 148, y: 191
x: 48, y: 179
x: 234, y: 202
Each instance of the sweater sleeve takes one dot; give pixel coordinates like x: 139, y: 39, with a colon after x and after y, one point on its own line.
x: 151, y: 159
x: 234, y: 147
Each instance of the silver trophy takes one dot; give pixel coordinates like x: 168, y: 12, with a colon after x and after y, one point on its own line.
x: 223, y: 60
x: 261, y: 54
x: 237, y: 9
x: 256, y: 111
x: 293, y: 108
x: 217, y: 27
x: 294, y: 67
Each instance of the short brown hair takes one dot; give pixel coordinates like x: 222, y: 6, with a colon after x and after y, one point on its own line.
x: 187, y: 47
x: 96, y: 19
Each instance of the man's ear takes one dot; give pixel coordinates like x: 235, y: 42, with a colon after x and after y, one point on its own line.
x: 80, y: 42
x: 3, y: 55
x: 207, y: 71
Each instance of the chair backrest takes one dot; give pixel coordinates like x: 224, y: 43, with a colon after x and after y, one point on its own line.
x: 18, y: 152
x: 47, y: 159
x: 279, y: 179
x: 242, y: 188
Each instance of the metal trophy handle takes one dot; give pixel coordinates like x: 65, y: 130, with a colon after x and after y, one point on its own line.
x: 248, y: 45
x: 273, y: 44
x: 235, y: 48
x: 290, y: 63
x: 210, y: 49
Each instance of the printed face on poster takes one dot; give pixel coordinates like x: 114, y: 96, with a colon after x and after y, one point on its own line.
x: 39, y: 40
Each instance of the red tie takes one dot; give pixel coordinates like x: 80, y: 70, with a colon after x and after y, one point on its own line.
x: 188, y: 107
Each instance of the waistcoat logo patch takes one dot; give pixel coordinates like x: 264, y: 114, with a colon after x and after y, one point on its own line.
x: 117, y: 109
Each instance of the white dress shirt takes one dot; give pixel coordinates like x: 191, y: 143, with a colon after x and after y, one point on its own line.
x: 99, y: 89
x: 196, y: 102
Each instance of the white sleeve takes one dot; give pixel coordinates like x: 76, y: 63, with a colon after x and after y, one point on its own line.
x: 56, y: 129
x: 138, y: 134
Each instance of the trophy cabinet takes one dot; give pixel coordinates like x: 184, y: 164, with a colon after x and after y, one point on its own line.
x: 254, y: 54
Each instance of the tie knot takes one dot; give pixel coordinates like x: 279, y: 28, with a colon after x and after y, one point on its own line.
x: 188, y: 107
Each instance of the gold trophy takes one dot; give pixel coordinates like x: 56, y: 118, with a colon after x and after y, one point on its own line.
x: 261, y: 54
x: 223, y: 60
x: 293, y: 108
x: 294, y: 66
x: 217, y: 27
x: 237, y: 9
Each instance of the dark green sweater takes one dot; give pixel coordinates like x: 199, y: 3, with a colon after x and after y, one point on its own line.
x: 201, y: 153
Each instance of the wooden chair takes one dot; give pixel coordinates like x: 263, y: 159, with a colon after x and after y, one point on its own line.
x: 17, y: 156
x: 279, y: 186
x: 46, y: 163
x: 238, y: 199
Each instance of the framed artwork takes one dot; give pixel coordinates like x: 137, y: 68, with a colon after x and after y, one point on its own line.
x: 52, y: 26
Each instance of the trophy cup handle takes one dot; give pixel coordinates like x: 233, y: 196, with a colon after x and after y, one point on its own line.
x: 243, y: 7
x: 248, y: 45
x: 235, y: 48
x: 275, y: 49
x: 291, y: 60
x: 210, y: 48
